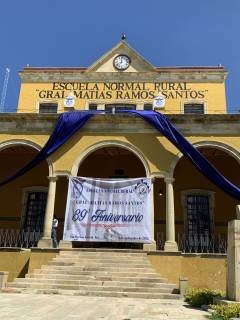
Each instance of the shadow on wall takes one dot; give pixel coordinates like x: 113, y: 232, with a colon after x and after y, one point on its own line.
x: 24, y: 270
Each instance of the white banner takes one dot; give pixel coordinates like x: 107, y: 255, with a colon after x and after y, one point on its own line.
x: 108, y: 210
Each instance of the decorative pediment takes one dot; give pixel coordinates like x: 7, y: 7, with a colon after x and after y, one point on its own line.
x: 121, y: 58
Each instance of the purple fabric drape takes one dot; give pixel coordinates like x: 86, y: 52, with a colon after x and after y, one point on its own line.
x: 162, y: 124
x: 69, y: 123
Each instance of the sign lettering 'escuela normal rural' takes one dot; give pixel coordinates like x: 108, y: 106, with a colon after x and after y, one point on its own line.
x: 121, y: 90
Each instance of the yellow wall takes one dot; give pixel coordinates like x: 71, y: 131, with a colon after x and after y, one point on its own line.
x: 19, y: 263
x: 39, y: 258
x: 176, y: 94
x: 16, y: 263
x: 201, y: 271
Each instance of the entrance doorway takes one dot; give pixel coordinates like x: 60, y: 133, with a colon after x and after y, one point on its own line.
x: 112, y: 162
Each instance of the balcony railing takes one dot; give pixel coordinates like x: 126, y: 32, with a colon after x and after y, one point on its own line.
x: 19, y: 238
x: 197, y: 243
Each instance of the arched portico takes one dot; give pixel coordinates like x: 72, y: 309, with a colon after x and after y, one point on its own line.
x: 23, y: 200
x: 107, y: 144
x: 113, y: 159
x: 26, y: 143
x: 214, y: 144
x: 202, y: 210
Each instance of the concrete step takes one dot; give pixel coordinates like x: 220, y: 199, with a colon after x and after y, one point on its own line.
x: 101, y: 260
x: 75, y: 286
x: 104, y: 251
x: 100, y: 264
x: 106, y: 273
x: 149, y: 279
x: 104, y: 255
x: 145, y: 295
x: 93, y: 282
x: 72, y: 268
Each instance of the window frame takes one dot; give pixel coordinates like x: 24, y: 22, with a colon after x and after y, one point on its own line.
x: 47, y: 102
x: 92, y: 104
x: 211, y: 201
x: 25, y: 193
x: 189, y: 102
x: 114, y: 105
x: 148, y: 104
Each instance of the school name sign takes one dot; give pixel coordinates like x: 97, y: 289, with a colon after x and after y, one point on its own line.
x: 108, y: 210
x: 121, y: 90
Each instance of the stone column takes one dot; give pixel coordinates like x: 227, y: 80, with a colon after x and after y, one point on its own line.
x: 238, y: 211
x: 170, y: 244
x: 46, y: 241
x: 233, y: 258
x: 67, y: 244
x: 151, y: 246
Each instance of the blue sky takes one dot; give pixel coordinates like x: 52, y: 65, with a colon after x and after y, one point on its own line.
x: 77, y: 32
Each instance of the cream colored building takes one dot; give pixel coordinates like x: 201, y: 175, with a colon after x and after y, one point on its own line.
x: 186, y: 206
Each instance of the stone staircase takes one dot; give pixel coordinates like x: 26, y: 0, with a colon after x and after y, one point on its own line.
x: 97, y: 272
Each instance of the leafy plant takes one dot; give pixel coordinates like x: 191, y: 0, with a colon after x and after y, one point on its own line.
x: 199, y: 297
x: 225, y: 311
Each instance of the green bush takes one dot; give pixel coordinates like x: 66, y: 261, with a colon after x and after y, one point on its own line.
x: 198, y: 297
x: 226, y: 311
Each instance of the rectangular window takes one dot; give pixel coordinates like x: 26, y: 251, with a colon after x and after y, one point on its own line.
x: 48, y: 108
x: 92, y: 106
x: 115, y: 108
x: 193, y: 108
x: 33, y: 219
x: 198, y: 215
x: 148, y: 106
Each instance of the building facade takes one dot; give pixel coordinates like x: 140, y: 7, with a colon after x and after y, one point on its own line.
x: 189, y: 213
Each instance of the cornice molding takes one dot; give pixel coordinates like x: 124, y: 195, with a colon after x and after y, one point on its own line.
x: 202, y: 125
x: 170, y: 76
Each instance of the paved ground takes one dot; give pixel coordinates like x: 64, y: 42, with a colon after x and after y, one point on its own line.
x: 60, y: 307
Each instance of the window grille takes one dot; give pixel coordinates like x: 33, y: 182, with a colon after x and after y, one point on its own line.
x: 148, y: 106
x: 193, y: 108
x: 92, y: 106
x: 35, y: 211
x: 198, y: 215
x: 48, y: 108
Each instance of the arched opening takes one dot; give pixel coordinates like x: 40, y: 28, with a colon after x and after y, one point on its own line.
x: 23, y: 200
x: 112, y: 162
x: 202, y: 210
